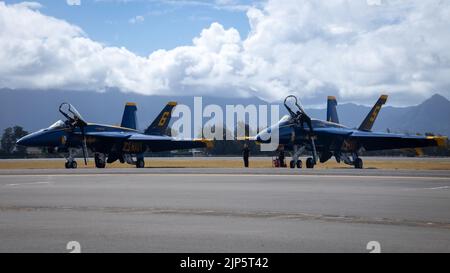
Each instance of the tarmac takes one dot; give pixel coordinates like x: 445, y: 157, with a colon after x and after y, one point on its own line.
x: 224, y: 210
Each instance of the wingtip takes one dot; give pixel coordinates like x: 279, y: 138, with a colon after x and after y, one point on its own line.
x: 208, y: 142
x: 441, y: 141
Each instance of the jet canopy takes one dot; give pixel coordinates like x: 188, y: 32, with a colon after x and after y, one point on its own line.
x: 298, y: 115
x: 72, y: 115
x: 293, y: 106
x: 58, y: 125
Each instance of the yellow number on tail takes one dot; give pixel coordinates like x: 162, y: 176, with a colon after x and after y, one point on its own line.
x: 163, y: 119
x: 375, y: 113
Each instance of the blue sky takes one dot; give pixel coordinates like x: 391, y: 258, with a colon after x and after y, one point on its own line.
x: 165, y: 24
x: 352, y: 49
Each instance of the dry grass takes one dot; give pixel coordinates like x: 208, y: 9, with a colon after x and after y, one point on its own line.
x: 231, y: 163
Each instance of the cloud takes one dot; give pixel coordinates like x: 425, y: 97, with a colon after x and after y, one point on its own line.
x: 351, y: 48
x: 73, y: 2
x: 136, y: 19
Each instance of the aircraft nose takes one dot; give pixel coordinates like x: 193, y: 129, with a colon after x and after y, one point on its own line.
x: 25, y: 141
x: 263, y: 136
x: 34, y: 139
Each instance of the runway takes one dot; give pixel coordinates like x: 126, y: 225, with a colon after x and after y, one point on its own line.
x: 224, y: 210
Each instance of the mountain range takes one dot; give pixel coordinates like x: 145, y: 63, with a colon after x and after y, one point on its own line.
x: 33, y: 110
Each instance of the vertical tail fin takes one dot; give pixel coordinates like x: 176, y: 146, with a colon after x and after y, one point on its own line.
x: 129, y: 116
x: 159, y: 125
x: 368, y: 122
x: 331, y: 109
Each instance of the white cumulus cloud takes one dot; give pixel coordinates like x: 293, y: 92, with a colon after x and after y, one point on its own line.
x: 355, y: 49
x: 73, y: 2
x: 137, y: 19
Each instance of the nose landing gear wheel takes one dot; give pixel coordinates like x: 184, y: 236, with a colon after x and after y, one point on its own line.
x: 71, y: 165
x: 299, y: 164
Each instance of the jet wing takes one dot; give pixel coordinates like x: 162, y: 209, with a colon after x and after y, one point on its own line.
x: 382, y: 141
x: 157, y: 143
x: 118, y: 135
x: 153, y: 143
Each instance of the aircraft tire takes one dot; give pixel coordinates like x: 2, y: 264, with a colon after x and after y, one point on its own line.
x: 358, y: 163
x: 99, y: 163
x: 140, y: 163
x: 299, y: 164
x: 310, y: 163
x: 73, y: 165
x: 70, y: 165
x: 292, y: 164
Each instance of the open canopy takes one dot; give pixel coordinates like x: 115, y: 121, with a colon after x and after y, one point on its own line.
x: 293, y: 106
x: 71, y: 113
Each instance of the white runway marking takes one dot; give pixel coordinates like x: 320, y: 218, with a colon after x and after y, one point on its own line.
x: 439, y: 188
x: 25, y: 184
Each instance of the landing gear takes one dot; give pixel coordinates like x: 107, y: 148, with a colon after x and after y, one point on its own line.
x: 299, y: 164
x: 100, y: 161
x: 354, y: 161
x: 296, y: 162
x: 71, y: 164
x: 310, y: 163
x: 358, y: 163
x: 140, y: 163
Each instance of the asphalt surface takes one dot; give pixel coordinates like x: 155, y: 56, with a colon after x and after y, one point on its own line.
x: 224, y: 210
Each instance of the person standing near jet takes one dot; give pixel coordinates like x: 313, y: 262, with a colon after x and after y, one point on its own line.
x: 246, y: 154
x: 281, y: 157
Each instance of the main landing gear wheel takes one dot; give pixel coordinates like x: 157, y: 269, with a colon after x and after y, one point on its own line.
x: 71, y: 165
x: 358, y: 163
x: 99, y: 163
x: 298, y: 165
x: 140, y: 163
x: 310, y: 163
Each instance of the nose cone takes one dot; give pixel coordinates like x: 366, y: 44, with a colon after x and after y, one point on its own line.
x: 41, y: 139
x: 264, y: 136
x: 25, y: 141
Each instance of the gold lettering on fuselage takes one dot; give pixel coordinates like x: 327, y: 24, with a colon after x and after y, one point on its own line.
x: 132, y: 147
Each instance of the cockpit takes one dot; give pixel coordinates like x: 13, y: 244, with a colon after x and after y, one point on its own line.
x: 285, y: 120
x: 57, y: 125
x: 72, y: 115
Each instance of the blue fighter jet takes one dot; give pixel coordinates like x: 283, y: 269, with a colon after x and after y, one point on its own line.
x: 298, y: 132
x: 109, y: 143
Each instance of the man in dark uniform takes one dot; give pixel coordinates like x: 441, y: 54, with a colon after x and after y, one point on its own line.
x: 246, y: 154
x: 281, y: 157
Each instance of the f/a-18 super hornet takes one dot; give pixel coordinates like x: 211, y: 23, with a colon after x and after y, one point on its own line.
x: 109, y: 143
x: 298, y: 132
